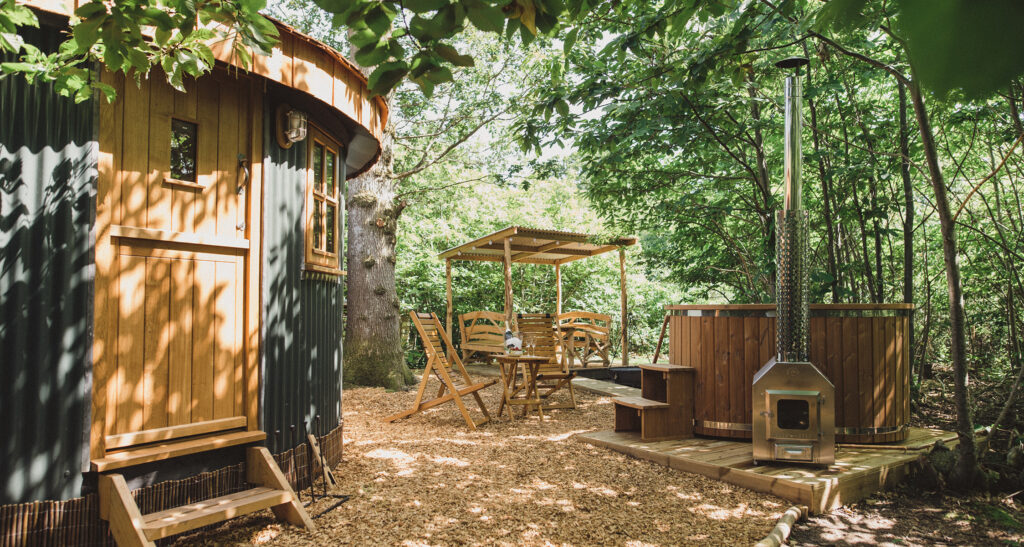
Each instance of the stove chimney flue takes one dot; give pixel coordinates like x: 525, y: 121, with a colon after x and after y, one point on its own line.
x: 792, y: 306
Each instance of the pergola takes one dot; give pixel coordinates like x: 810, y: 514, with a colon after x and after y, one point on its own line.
x: 517, y: 244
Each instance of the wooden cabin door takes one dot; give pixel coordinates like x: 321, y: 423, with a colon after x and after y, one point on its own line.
x: 177, y: 194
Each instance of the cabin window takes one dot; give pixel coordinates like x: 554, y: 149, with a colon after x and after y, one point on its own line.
x: 183, y: 150
x: 323, y: 204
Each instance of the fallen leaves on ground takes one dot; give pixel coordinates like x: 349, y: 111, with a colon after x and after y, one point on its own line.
x: 429, y: 480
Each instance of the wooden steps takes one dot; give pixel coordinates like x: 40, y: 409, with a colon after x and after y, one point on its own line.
x: 172, y: 449
x: 665, y: 408
x: 270, y: 490
x: 640, y: 403
x: 196, y: 515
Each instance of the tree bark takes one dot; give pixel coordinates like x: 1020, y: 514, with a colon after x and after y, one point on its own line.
x: 966, y: 474
x: 908, y: 211
x: 1013, y: 347
x: 374, y: 355
x: 825, y: 175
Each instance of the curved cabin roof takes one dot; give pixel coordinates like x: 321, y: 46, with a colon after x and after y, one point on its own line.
x: 304, y: 64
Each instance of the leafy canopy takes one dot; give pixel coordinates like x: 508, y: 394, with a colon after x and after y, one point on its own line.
x: 953, y: 45
x: 133, y: 36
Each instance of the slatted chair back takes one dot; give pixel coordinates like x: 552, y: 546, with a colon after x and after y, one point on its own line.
x: 443, y: 363
x: 589, y: 333
x: 597, y: 323
x: 543, y: 330
x: 547, y: 342
x: 482, y: 333
x: 436, y: 343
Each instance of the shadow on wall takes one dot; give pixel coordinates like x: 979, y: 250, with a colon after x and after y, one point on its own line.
x: 47, y: 177
x: 303, y: 311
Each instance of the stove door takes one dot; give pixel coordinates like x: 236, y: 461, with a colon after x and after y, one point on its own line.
x: 793, y: 414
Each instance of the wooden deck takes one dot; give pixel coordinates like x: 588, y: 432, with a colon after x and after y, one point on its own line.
x: 857, y: 473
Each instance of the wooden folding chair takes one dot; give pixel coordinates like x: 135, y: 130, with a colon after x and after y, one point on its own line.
x: 441, y: 364
x: 547, y: 337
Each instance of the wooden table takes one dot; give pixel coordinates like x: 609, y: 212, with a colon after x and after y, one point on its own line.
x: 509, y: 368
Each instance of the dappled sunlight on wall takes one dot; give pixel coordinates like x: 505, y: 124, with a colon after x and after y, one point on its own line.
x: 47, y: 173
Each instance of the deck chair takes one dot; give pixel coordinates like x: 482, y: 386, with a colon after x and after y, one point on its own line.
x: 448, y: 369
x: 554, y: 375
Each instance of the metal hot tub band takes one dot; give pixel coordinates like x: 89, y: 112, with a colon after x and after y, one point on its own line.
x: 734, y: 426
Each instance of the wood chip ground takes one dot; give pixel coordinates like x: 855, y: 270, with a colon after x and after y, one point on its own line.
x: 428, y: 480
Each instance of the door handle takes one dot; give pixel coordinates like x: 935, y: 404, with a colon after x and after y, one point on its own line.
x: 243, y: 165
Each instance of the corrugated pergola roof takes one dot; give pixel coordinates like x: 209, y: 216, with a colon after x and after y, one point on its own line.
x: 535, y: 246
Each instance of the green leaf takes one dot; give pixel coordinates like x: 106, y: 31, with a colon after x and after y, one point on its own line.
x: 108, y: 90
x: 974, y: 47
x: 10, y: 41
x: 840, y: 14
x: 87, y: 32
x: 11, y: 68
x: 364, y: 38
x: 90, y: 9
x: 18, y: 15
x: 426, y: 86
x: 386, y: 76
x: 159, y: 17
x: 336, y: 6
x: 439, y: 75
x: 423, y: 6
x: 562, y: 107
x: 451, y: 55
x: 485, y: 17
x: 570, y: 40
x: 379, y: 20
x: 372, y: 56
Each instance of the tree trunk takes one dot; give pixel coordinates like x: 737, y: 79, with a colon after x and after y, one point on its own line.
x: 1013, y: 348
x: 908, y: 211
x: 824, y: 175
x: 966, y: 474
x: 374, y: 355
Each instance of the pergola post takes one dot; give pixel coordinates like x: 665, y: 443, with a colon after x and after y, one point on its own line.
x: 625, y: 323
x: 558, y: 289
x: 448, y: 294
x: 507, y: 262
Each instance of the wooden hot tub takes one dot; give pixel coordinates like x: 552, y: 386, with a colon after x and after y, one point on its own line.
x: 862, y: 348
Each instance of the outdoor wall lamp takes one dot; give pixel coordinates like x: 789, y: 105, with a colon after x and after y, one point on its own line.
x: 291, y: 125
x: 296, y: 126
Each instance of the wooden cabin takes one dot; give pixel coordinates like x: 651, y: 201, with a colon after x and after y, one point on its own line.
x: 171, y: 284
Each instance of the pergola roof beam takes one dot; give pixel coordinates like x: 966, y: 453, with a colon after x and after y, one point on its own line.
x: 542, y: 249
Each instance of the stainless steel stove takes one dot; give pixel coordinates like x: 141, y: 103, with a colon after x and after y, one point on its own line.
x: 793, y: 402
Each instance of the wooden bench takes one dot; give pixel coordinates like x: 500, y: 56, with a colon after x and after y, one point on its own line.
x: 585, y: 337
x: 129, y: 526
x: 664, y: 409
x: 482, y: 333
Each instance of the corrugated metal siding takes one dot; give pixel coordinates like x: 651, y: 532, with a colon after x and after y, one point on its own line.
x: 47, y: 177
x: 302, y: 314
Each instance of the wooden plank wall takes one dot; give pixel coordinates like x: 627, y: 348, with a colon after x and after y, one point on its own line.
x: 866, y: 358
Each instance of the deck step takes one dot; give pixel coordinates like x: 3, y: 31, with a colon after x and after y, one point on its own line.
x: 667, y: 367
x: 196, y: 515
x: 174, y: 449
x: 639, y: 403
